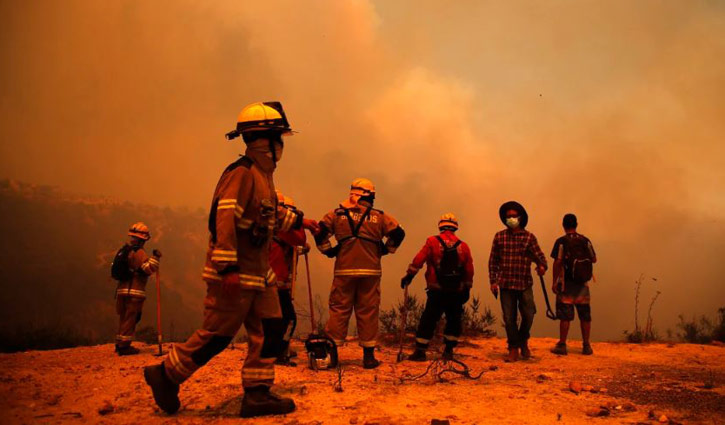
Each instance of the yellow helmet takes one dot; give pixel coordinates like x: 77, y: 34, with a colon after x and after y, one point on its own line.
x: 362, y: 187
x: 448, y: 220
x: 139, y: 230
x: 260, y: 116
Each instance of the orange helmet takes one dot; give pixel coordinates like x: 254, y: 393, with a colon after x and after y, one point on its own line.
x: 362, y: 186
x: 139, y: 230
x: 448, y: 220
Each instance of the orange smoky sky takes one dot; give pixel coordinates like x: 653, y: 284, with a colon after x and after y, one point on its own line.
x: 611, y: 110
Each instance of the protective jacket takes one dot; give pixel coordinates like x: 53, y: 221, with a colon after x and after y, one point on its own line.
x: 363, y: 236
x: 143, y: 266
x: 244, y: 215
x: 282, y: 252
x: 431, y: 255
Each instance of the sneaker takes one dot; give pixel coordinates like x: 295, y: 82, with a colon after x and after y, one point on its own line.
x: 166, y: 393
x: 418, y: 356
x: 512, y: 356
x: 587, y: 350
x: 559, y: 349
x: 260, y: 401
x: 525, y: 352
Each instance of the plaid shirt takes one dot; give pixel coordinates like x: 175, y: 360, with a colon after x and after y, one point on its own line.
x: 511, y: 256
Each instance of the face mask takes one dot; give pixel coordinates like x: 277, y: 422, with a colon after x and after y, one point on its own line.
x: 512, y: 222
x: 368, y: 199
x: 278, y: 151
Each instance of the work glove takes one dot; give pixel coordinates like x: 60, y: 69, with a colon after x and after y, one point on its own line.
x: 494, y: 289
x: 541, y: 270
x: 157, y: 253
x: 311, y: 225
x: 406, y: 280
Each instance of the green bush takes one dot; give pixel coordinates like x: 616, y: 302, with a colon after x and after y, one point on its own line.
x: 703, y: 330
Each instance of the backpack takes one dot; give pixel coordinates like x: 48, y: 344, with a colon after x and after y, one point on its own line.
x: 120, y: 268
x: 578, y: 258
x: 449, y: 271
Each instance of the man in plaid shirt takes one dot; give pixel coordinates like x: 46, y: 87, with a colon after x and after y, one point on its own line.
x: 509, y: 269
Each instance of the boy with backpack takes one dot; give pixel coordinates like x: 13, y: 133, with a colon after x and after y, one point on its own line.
x: 573, y: 256
x: 131, y: 268
x: 449, y: 278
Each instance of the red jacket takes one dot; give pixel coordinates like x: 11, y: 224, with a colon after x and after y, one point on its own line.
x: 281, y: 252
x: 432, y: 253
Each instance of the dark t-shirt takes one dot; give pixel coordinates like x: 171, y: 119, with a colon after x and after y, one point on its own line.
x: 573, y: 293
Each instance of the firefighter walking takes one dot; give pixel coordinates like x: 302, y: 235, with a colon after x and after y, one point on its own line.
x: 363, y: 236
x: 449, y: 278
x: 132, y: 268
x: 240, y: 283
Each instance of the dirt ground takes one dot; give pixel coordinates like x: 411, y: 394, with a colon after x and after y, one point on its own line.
x: 624, y: 383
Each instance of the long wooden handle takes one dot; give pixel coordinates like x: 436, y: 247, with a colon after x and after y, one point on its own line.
x: 309, y: 292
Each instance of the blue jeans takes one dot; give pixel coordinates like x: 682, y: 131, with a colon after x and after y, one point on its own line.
x: 523, y: 301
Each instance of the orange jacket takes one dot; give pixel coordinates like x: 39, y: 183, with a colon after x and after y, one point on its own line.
x: 243, y: 217
x: 143, y: 266
x: 379, y: 234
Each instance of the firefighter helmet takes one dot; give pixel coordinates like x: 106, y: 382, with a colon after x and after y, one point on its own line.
x: 261, y: 116
x: 362, y: 187
x: 139, y: 230
x: 448, y: 220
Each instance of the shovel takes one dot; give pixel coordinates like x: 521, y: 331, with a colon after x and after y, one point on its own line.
x: 404, y: 323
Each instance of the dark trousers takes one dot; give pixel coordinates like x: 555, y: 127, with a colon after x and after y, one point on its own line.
x: 523, y: 301
x: 289, y: 315
x: 440, y: 302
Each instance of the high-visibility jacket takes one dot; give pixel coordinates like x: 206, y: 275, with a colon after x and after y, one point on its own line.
x: 282, y: 251
x: 143, y: 266
x: 431, y: 255
x: 363, y: 236
x: 244, y: 215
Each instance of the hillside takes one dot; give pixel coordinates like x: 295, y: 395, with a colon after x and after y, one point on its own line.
x: 57, y: 250
x: 630, y: 384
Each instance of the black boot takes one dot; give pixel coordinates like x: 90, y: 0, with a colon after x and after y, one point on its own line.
x: 284, y: 357
x: 418, y: 355
x: 166, y: 393
x: 369, y: 360
x: 259, y: 401
x: 448, y: 353
x: 127, y: 350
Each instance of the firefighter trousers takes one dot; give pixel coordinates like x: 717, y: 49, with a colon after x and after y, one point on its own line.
x: 129, y: 311
x: 361, y: 294
x: 438, y: 303
x: 289, y: 315
x: 224, y: 314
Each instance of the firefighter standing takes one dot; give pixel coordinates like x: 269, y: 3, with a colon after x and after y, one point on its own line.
x: 285, y: 247
x: 449, y: 278
x: 131, y: 291
x: 240, y: 282
x: 359, y: 230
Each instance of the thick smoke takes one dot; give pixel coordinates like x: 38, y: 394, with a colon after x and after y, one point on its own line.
x: 611, y: 111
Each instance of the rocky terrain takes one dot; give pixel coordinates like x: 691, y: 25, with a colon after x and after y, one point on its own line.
x: 621, y: 383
